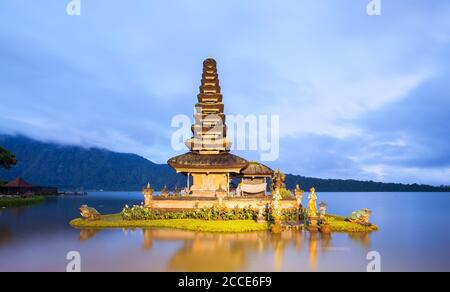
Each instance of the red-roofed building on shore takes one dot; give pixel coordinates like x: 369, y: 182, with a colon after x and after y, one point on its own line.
x: 19, y: 187
x: 18, y: 183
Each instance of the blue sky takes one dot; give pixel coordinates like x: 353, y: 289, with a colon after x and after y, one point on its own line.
x: 359, y: 97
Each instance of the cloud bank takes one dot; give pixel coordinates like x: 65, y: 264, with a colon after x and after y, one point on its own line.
x: 359, y: 97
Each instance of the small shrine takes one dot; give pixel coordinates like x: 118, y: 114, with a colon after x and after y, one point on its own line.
x: 254, y: 180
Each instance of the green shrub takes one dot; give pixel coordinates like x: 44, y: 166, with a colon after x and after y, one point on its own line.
x: 285, y: 193
x: 136, y: 213
x: 289, y: 215
x: 211, y: 214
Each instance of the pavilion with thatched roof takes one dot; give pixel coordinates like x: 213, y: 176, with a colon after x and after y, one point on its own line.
x: 18, y: 183
x: 254, y: 179
x: 19, y: 187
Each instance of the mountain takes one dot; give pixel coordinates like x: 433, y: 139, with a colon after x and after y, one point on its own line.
x: 339, y: 185
x: 71, y: 167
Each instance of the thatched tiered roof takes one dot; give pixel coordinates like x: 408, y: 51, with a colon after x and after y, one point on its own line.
x: 209, y: 130
x: 256, y: 169
x: 207, y: 161
x: 209, y: 146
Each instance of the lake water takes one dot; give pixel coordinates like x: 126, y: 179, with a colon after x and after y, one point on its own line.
x: 414, y: 236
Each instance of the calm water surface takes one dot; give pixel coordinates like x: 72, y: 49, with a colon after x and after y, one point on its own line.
x: 414, y: 236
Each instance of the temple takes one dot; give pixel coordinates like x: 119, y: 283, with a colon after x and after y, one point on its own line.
x: 209, y: 161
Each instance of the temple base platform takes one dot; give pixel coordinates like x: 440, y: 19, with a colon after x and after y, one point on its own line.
x: 189, y: 203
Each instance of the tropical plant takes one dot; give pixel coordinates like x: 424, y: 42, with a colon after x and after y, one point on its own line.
x: 7, y: 159
x: 285, y: 193
x: 137, y: 213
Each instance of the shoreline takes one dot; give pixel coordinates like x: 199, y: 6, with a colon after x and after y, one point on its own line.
x: 115, y: 221
x: 10, y: 202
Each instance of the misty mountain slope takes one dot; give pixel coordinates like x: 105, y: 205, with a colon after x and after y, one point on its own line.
x: 71, y: 167
x: 75, y: 167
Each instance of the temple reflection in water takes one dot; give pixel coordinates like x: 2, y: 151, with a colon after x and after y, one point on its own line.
x: 198, y: 252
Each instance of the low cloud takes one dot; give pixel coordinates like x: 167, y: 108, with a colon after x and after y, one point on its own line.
x: 359, y: 97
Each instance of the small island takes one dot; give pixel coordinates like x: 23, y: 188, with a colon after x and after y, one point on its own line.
x: 216, y: 216
x: 337, y: 224
x: 208, y: 203
x: 196, y: 225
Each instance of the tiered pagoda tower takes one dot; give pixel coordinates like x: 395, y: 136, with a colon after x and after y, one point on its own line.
x: 209, y: 130
x: 209, y: 161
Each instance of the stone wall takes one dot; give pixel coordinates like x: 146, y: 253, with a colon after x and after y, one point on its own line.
x: 193, y: 203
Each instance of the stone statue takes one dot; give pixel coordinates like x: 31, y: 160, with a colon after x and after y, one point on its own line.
x: 89, y: 213
x: 277, y: 227
x: 298, y: 192
x: 312, y: 204
x: 322, y: 210
x: 261, y: 214
x: 220, y: 195
x: 165, y: 192
x: 361, y: 217
x: 278, y: 181
x: 176, y: 192
x: 148, y: 195
x: 276, y: 207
